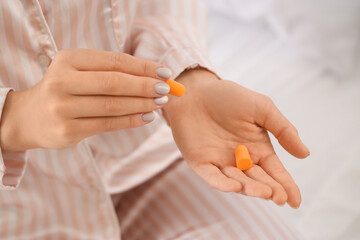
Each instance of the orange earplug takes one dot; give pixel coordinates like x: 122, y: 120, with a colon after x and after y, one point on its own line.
x: 242, y: 156
x: 176, y: 89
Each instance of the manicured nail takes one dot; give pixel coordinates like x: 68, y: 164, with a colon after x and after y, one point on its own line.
x: 162, y: 88
x: 164, y: 72
x: 147, y: 117
x: 161, y: 100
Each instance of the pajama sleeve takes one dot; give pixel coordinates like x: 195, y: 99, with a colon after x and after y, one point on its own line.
x: 172, y: 33
x: 12, y: 165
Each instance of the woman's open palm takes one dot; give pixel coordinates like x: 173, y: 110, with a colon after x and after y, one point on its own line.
x: 224, y: 115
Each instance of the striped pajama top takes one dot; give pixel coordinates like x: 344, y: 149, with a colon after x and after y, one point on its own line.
x: 67, y: 192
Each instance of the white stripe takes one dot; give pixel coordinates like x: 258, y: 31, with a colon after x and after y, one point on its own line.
x: 94, y: 30
x: 44, y: 24
x: 56, y: 167
x: 109, y: 31
x: 18, y: 37
x: 112, y: 219
x: 65, y: 24
x: 81, y: 43
x: 6, y: 54
x: 31, y: 177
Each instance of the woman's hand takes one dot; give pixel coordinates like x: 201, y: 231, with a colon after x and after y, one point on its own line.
x: 83, y: 93
x: 215, y: 116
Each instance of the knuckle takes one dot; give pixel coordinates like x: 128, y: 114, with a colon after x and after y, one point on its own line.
x: 148, y: 105
x: 134, y: 121
x: 149, y: 68
x: 62, y: 54
x: 145, y: 87
x: 49, y: 84
x: 282, y: 132
x: 67, y: 134
x: 117, y: 59
x: 257, y: 172
x: 56, y: 108
x: 107, y: 82
x: 212, y: 179
x: 110, y: 104
x: 146, y: 68
x: 268, y: 101
x: 295, y: 130
x: 226, y: 170
x: 110, y: 124
x: 267, y: 106
x: 278, y: 170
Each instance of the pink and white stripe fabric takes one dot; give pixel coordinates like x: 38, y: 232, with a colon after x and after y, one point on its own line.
x: 177, y: 204
x: 66, y: 194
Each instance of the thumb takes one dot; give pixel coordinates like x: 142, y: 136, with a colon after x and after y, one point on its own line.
x: 274, y: 121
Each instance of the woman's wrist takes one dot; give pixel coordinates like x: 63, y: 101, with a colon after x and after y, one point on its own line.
x: 10, y: 127
x: 195, y: 81
x: 196, y: 77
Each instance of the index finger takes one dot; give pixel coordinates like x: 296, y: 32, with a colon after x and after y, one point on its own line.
x: 97, y: 60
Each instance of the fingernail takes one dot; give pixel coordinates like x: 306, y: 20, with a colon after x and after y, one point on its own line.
x: 147, y: 117
x: 162, y: 88
x: 161, y: 100
x: 164, y: 72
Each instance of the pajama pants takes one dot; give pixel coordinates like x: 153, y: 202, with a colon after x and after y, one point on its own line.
x: 177, y: 204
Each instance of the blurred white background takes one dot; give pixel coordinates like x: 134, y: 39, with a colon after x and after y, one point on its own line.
x: 304, y: 54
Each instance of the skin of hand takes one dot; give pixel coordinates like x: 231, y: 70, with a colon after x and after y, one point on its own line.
x: 213, y: 117
x: 83, y: 93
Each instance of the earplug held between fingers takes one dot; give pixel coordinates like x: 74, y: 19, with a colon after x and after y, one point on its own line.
x: 242, y: 156
x: 176, y: 89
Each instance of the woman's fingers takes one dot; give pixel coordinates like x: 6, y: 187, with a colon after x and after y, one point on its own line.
x: 96, y: 60
x: 91, y: 126
x: 273, y: 166
x: 251, y: 187
x: 106, y: 106
x: 114, y: 83
x: 279, y: 195
x: 216, y: 179
x: 274, y: 121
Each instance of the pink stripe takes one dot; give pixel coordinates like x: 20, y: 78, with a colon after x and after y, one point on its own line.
x: 259, y: 221
x: 87, y: 179
x: 58, y: 28
x: 100, y: 17
x: 7, y: 26
x: 33, y: 202
x: 184, y: 180
x: 74, y: 21
x: 31, y: 53
x: 132, y: 168
x: 199, y: 194
x: 276, y: 220
x: 172, y: 219
x: 40, y: 182
x: 87, y: 25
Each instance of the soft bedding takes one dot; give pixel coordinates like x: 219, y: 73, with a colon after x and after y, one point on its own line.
x: 324, y: 108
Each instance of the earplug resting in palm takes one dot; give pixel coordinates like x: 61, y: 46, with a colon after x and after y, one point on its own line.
x: 242, y: 156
